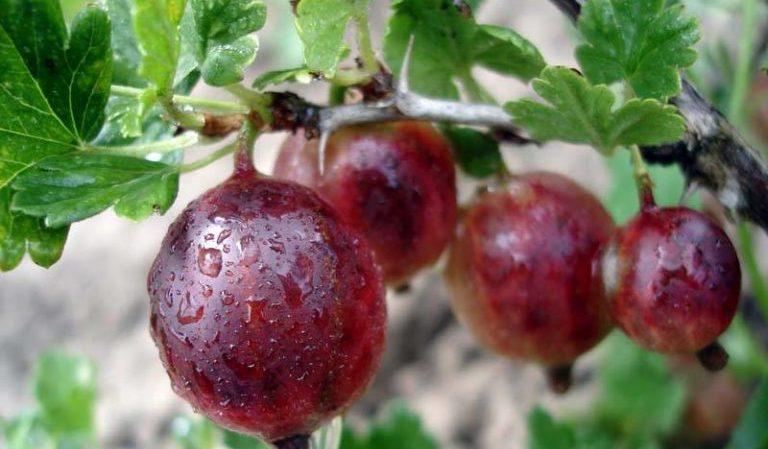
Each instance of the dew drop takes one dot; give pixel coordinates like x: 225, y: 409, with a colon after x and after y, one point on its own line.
x: 209, y: 262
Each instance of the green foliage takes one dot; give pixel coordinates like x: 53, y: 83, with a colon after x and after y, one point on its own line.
x: 476, y: 153
x: 321, y: 25
x: 545, y: 433
x: 640, y: 41
x: 400, y: 430
x: 447, y: 45
x: 581, y: 113
x: 156, y: 26
x: 74, y: 187
x: 301, y: 74
x: 224, y: 45
x: 752, y: 432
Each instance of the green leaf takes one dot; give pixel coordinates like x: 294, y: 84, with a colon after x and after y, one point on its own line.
x: 640, y: 41
x: 752, y: 433
x: 545, y: 433
x: 225, y: 47
x: 476, y: 153
x: 321, y: 25
x: 194, y: 433
x: 400, y: 430
x: 580, y: 113
x: 301, y: 74
x: 65, y: 388
x: 125, y: 48
x: 74, y: 187
x: 28, y: 432
x: 235, y: 440
x: 504, y: 51
x: 73, y: 73
x: 447, y: 45
x: 638, y: 393
x: 156, y: 26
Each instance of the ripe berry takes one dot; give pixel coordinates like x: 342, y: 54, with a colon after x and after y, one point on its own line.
x: 394, y: 182
x: 524, y: 271
x: 673, y: 281
x: 267, y: 309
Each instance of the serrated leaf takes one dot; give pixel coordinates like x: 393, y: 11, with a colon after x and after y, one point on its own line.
x: 751, y: 433
x: 580, y: 113
x: 476, y: 153
x: 65, y: 388
x: 545, y: 433
x: 156, y: 26
x: 321, y: 25
x: 447, y: 45
x: 640, y: 41
x: 225, y: 47
x: 301, y: 74
x: 74, y: 187
x: 504, y: 51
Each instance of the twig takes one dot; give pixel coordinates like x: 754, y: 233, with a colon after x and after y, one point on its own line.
x: 712, y: 153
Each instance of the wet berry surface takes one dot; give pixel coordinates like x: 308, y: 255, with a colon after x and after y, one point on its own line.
x: 394, y: 182
x: 268, y: 311
x: 676, y: 279
x: 524, y: 269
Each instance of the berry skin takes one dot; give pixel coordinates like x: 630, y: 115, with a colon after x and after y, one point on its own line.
x: 395, y: 182
x: 524, y: 270
x: 673, y: 280
x: 267, y: 309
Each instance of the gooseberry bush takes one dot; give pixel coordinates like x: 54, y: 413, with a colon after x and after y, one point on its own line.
x: 267, y: 297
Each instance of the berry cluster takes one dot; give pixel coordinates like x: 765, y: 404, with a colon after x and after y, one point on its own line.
x: 268, y: 298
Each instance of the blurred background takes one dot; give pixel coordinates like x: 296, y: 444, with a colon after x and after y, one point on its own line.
x: 93, y: 302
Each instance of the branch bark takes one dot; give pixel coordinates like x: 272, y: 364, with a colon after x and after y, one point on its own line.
x: 712, y: 154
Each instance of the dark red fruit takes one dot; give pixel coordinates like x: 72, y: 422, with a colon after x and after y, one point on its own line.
x: 524, y: 271
x: 673, y: 281
x: 394, y: 182
x: 268, y: 310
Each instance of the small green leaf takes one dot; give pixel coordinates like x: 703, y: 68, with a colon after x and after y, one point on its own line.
x: 301, y: 74
x: 65, y: 387
x: 752, y: 433
x: 225, y: 47
x: 74, y: 187
x: 504, y: 51
x: 156, y: 26
x: 235, y: 440
x: 545, y: 433
x: 476, y: 153
x: 640, y: 41
x: 125, y: 48
x: 28, y: 432
x: 194, y: 433
x: 580, y: 113
x: 447, y: 45
x: 401, y: 429
x: 321, y: 25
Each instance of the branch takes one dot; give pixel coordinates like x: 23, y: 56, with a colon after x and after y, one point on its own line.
x: 712, y: 154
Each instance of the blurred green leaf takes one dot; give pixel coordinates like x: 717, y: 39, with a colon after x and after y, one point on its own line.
x: 65, y: 388
x: 235, y: 440
x: 476, y: 153
x: 752, y: 431
x: 581, y: 113
x: 125, y: 48
x: 640, y: 41
x: 26, y: 431
x: 194, y: 433
x: 545, y: 433
x: 401, y: 429
x: 638, y: 393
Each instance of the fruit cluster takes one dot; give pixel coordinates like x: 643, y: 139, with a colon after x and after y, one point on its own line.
x: 268, y: 298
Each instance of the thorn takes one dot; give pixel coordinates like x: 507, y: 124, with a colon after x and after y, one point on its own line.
x: 324, y: 135
x: 690, y: 189
x: 402, y: 83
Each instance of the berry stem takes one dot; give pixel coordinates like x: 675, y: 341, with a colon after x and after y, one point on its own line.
x: 294, y: 442
x: 244, y: 156
x: 200, y: 103
x: 642, y: 179
x: 713, y: 357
